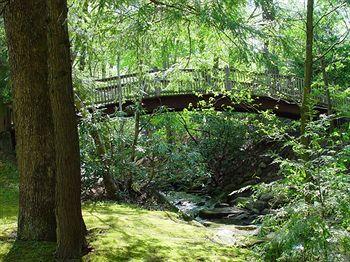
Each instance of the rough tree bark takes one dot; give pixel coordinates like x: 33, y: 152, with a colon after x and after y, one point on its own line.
x: 26, y: 30
x: 306, y: 110
x: 70, y: 226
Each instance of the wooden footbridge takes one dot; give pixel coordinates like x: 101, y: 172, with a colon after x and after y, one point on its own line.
x: 178, y: 89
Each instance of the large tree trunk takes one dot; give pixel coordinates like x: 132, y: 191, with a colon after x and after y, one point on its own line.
x: 26, y: 29
x: 306, y: 110
x: 70, y: 233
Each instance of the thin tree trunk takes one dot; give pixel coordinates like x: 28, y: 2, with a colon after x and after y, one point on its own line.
x: 110, y: 185
x: 26, y: 30
x: 83, y: 49
x: 82, y: 58
x: 70, y: 234
x: 328, y: 94
x: 170, y: 131
x: 326, y: 86
x: 269, y: 15
x: 136, y: 134
x: 306, y: 110
x: 129, y: 179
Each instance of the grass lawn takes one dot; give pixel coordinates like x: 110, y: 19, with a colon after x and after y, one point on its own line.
x: 117, y: 233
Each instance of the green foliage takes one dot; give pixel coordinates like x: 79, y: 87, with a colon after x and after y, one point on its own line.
x: 163, y: 34
x: 311, y: 220
x: 5, y: 91
x: 222, y: 140
x: 163, y: 159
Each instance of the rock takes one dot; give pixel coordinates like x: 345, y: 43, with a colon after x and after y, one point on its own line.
x: 240, y: 217
x: 260, y: 205
x: 256, y: 206
x: 222, y: 212
x: 225, y: 237
x: 265, y: 211
x: 228, y: 216
x: 218, y: 205
x: 266, y: 197
x: 241, y: 200
x: 242, y: 192
x: 202, y: 203
x: 262, y: 165
x: 248, y: 228
x: 196, y: 223
x: 255, y: 211
x: 179, y: 202
x: 259, y: 172
x: 207, y: 223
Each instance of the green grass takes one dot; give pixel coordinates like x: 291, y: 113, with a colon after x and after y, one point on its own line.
x: 117, y: 233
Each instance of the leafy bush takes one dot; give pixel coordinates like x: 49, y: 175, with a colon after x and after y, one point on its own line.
x: 163, y: 158
x: 312, y: 220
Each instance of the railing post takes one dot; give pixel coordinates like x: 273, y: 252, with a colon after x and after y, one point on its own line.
x: 120, y: 95
x: 159, y: 87
x: 119, y: 83
x: 207, y: 78
x: 228, y: 83
x: 143, y: 85
x: 162, y: 84
x: 301, y: 90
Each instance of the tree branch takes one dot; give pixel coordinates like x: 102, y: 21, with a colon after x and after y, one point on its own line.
x: 345, y: 35
x: 156, y: 2
x: 183, y: 122
x: 328, y: 13
x: 3, y: 4
x: 190, y: 42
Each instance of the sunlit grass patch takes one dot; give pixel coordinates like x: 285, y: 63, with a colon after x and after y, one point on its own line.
x: 116, y: 233
x: 8, y: 199
x: 124, y: 233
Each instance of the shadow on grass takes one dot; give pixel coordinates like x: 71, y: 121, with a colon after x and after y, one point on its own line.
x: 139, y: 249
x: 120, y: 238
x: 30, y: 251
x: 109, y: 207
x: 124, y: 233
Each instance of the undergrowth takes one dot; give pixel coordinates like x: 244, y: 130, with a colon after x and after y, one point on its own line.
x: 311, y: 217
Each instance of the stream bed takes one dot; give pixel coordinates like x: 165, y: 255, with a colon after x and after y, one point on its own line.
x: 231, y: 225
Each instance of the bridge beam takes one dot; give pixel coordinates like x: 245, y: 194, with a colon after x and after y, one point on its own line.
x: 179, y: 102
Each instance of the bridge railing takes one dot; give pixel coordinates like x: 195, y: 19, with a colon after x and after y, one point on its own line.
x: 157, y: 83
x: 185, y: 81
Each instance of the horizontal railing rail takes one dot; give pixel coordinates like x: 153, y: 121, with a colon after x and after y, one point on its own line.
x: 156, y: 83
